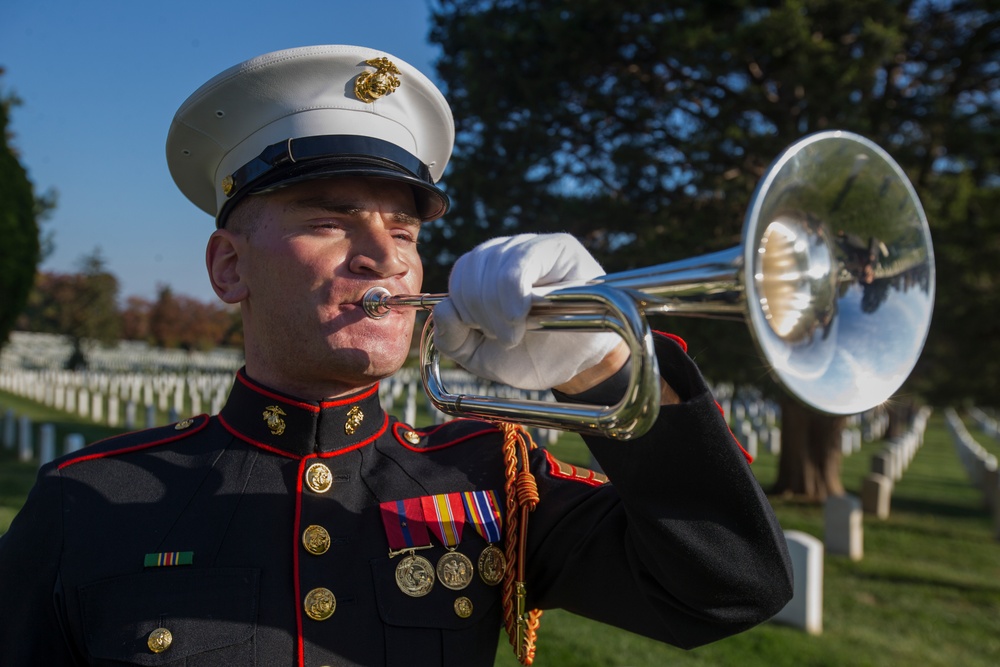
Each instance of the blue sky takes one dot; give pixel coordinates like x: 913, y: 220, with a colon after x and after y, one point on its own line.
x: 100, y: 81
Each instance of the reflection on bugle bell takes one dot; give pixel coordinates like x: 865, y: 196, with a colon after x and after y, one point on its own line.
x: 834, y: 276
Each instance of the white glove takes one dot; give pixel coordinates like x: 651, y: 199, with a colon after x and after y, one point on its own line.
x: 482, y: 325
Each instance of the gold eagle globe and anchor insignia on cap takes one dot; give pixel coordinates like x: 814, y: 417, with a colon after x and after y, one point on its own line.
x: 370, y: 86
x: 273, y: 418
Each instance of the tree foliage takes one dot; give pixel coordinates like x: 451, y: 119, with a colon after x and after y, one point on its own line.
x: 82, y: 306
x: 180, y: 321
x: 19, y: 248
x: 643, y: 128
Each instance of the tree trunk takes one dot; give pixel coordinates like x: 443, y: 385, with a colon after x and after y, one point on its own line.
x: 900, y: 418
x: 809, y: 466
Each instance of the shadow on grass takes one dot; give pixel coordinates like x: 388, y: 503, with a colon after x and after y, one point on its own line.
x: 964, y: 587
x: 941, y: 508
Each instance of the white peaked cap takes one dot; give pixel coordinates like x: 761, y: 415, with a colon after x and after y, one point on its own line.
x: 311, y: 112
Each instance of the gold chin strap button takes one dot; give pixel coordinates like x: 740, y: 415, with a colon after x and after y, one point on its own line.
x: 316, y: 540
x: 159, y: 640
x: 320, y: 603
x: 319, y: 478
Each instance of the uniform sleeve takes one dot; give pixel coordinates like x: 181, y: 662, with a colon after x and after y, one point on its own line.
x: 30, y: 598
x: 681, y: 546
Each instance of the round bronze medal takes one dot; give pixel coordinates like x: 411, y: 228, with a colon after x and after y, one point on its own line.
x: 415, y: 576
x: 492, y: 564
x: 454, y: 570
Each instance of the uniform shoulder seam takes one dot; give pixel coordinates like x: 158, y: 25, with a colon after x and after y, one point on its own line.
x: 139, y: 440
x: 465, y: 429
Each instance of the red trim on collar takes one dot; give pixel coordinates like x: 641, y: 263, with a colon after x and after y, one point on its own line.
x: 322, y: 455
x: 264, y: 392
x: 350, y: 399
x: 674, y: 337
x: 145, y: 445
x: 305, y: 406
x: 400, y: 426
x: 237, y: 434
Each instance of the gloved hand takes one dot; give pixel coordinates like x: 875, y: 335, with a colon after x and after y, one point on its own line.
x: 482, y: 325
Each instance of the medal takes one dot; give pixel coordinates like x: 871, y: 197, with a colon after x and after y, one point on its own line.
x: 481, y: 508
x: 415, y: 575
x: 445, y: 514
x: 406, y: 531
x: 454, y: 570
x: 492, y: 564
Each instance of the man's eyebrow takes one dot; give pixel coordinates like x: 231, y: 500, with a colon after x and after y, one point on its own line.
x: 349, y: 209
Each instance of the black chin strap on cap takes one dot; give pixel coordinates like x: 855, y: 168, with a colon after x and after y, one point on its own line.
x: 306, y: 158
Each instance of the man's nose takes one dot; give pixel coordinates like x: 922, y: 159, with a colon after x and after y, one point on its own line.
x: 376, y: 253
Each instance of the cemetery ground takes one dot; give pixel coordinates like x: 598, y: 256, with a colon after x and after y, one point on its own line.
x: 927, y: 591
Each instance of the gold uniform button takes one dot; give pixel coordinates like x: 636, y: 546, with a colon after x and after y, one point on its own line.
x: 320, y: 604
x: 463, y: 607
x: 180, y: 426
x: 316, y: 540
x: 318, y: 478
x: 159, y: 640
x: 412, y: 437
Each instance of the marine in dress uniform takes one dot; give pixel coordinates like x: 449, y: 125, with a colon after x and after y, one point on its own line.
x: 295, y: 531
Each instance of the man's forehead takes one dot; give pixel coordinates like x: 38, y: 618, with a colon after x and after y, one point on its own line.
x: 351, y: 195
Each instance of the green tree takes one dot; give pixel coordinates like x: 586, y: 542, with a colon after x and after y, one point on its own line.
x: 82, y: 306
x: 643, y: 129
x: 19, y: 250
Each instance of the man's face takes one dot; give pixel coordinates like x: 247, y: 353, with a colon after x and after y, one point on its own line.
x: 316, y: 248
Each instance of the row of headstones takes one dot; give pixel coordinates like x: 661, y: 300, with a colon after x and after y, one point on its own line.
x: 127, y: 400
x: 405, y: 387
x: 889, y: 464
x: 755, y: 423
x: 979, y: 464
x: 18, y: 431
x: 120, y: 399
x: 987, y: 423
x: 51, y: 351
x: 843, y: 535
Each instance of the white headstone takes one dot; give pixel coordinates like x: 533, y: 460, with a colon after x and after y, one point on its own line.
x: 805, y: 609
x: 876, y: 494
x: 24, y: 445
x: 73, y: 442
x: 114, y: 410
x: 46, y: 443
x: 843, y: 528
x: 9, y: 429
x: 83, y: 403
x: 97, y: 407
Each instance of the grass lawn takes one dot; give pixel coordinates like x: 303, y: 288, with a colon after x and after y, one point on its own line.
x: 927, y: 592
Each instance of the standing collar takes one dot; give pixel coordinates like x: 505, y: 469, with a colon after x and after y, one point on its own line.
x: 276, y: 421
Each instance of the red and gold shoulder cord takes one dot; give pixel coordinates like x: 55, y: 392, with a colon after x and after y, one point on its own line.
x: 522, y: 497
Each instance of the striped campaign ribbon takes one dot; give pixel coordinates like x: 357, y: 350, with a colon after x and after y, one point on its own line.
x: 445, y: 515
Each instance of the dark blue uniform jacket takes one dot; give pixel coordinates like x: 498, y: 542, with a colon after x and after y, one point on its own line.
x: 681, y: 545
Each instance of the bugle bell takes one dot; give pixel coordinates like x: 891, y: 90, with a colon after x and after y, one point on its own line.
x: 834, y: 276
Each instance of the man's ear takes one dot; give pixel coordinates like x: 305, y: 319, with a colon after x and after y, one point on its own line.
x: 222, y: 256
